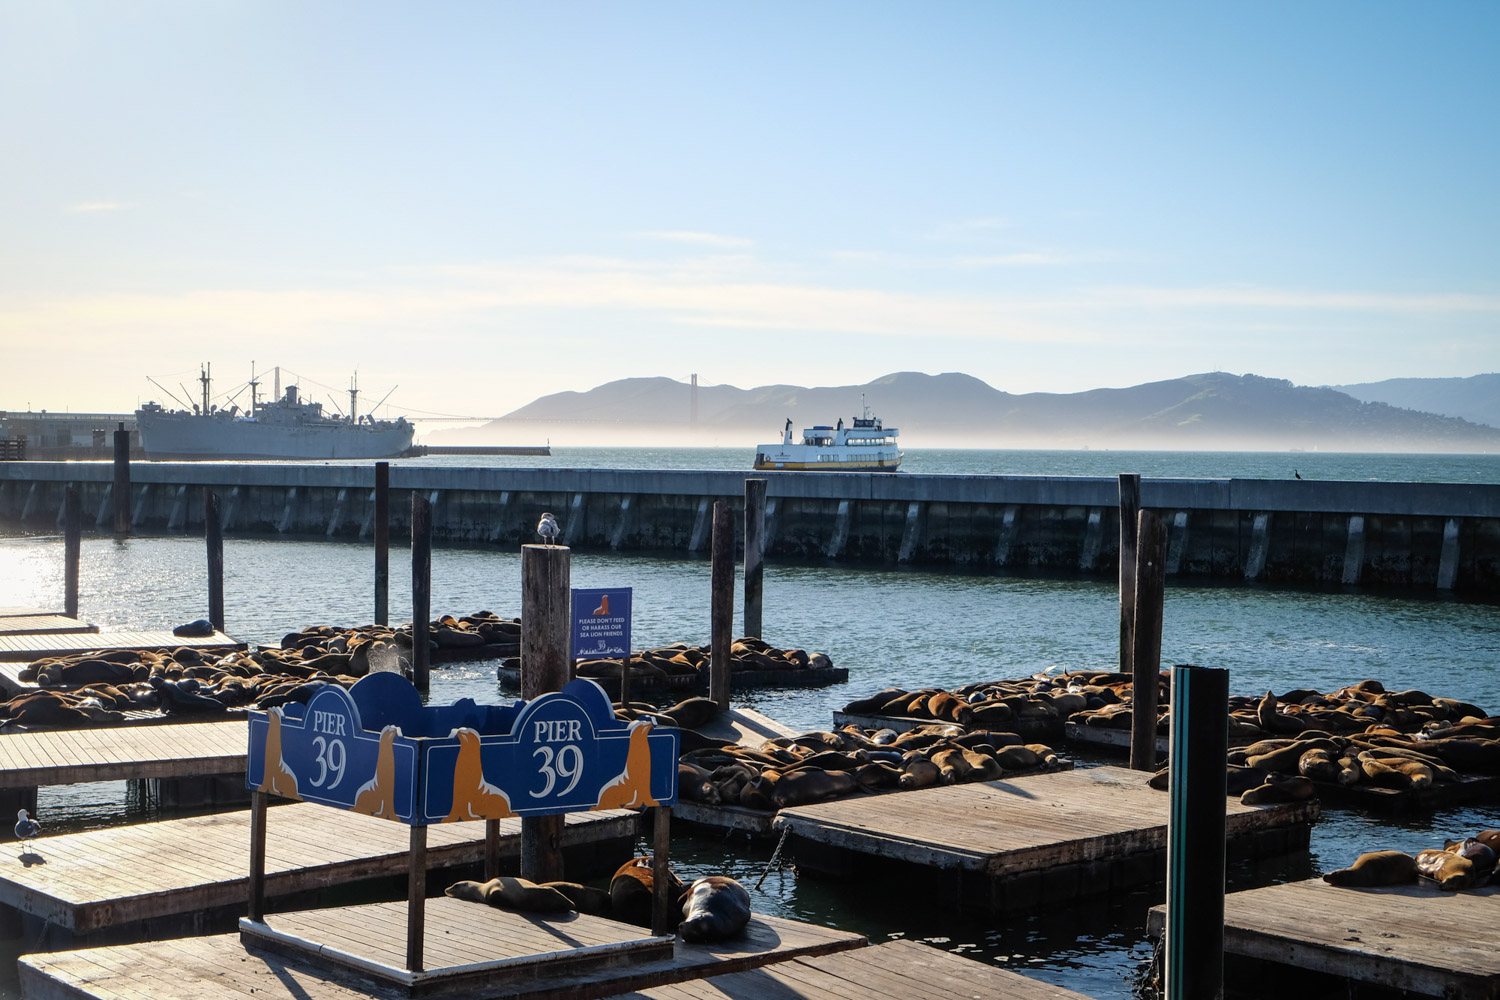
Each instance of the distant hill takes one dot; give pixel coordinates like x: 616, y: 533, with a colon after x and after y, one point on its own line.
x: 1476, y: 398
x: 1214, y: 410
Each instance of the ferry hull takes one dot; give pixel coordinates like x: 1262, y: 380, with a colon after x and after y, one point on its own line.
x: 173, y: 435
x: 824, y: 467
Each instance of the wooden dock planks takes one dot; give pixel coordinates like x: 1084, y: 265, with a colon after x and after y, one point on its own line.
x: 897, y: 970
x: 25, y: 648
x: 43, y: 624
x: 121, y: 875
x: 1003, y: 828
x: 1413, y: 937
x: 220, y: 968
x: 117, y: 753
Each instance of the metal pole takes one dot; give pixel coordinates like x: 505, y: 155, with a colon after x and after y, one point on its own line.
x: 1150, y: 582
x: 721, y: 605
x: 1193, y: 959
x: 545, y: 666
x: 121, y: 492
x: 663, y: 920
x: 72, y: 541
x: 755, y: 554
x: 1130, y: 508
x: 421, y: 588
x: 416, y: 899
x: 382, y: 529
x: 213, y: 537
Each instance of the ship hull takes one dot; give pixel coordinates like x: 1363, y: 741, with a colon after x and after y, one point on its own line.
x: 182, y: 435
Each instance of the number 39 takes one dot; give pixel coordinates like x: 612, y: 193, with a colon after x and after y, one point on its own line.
x: 329, y: 756
x: 567, y: 764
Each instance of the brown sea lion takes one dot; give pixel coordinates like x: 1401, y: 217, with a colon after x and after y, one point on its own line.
x: 715, y: 908
x: 585, y: 898
x: 1451, y: 872
x: 918, y: 772
x: 509, y: 893
x: 692, y: 712
x: 873, y: 704
x: 631, y: 891
x: 1376, y: 868
x: 800, y: 788
x: 1279, y: 789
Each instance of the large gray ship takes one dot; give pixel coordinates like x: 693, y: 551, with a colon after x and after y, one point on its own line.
x: 287, y: 427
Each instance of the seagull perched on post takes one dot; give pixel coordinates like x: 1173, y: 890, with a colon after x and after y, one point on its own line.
x: 548, y: 530
x: 26, y: 828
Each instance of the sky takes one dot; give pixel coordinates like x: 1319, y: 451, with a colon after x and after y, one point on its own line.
x: 475, y: 204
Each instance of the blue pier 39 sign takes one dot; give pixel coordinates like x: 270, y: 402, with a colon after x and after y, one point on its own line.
x: 601, y: 623
x: 376, y: 749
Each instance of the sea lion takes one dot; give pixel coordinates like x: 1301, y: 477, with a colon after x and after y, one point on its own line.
x: 692, y: 712
x: 800, y: 788
x: 474, y: 797
x: 631, y: 788
x: 277, y: 778
x: 715, y: 908
x: 509, y: 893
x: 377, y: 797
x: 873, y: 704
x: 1279, y: 789
x: 1376, y: 868
x: 631, y: 891
x: 694, y: 784
x: 585, y: 898
x: 1451, y: 872
x: 179, y: 698
x: 1480, y: 854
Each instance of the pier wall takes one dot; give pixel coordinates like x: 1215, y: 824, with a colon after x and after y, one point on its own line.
x: 1429, y: 536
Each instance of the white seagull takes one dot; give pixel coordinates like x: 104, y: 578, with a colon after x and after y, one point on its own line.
x: 26, y: 828
x: 547, y: 529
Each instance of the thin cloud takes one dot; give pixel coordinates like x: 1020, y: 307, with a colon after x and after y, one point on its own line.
x: 94, y: 207
x: 968, y: 228
x: 1275, y: 298
x: 696, y: 238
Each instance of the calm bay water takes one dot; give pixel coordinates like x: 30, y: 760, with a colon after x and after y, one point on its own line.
x: 890, y: 627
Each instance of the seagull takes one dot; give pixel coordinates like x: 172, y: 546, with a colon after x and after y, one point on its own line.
x: 1296, y: 474
x: 26, y: 828
x: 547, y: 529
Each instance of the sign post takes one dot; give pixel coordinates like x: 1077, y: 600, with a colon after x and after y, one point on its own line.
x: 601, y: 623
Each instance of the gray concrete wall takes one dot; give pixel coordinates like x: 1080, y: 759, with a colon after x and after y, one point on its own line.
x: 1400, y: 535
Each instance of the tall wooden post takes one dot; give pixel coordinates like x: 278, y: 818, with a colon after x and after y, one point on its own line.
x: 72, y: 540
x: 546, y: 603
x: 213, y: 537
x: 1130, y: 508
x: 382, y: 529
x: 416, y: 898
x: 755, y: 554
x: 120, y: 494
x: 663, y: 920
x: 421, y: 588
x: 1193, y: 958
x: 1150, y: 594
x: 258, y: 801
x: 721, y: 606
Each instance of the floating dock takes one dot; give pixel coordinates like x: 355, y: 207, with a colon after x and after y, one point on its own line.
x: 739, y: 680
x: 27, y: 646
x: 111, y: 878
x: 220, y: 967
x: 120, y: 753
x: 1415, y: 938
x: 898, y: 970
x: 43, y: 623
x: 1015, y: 845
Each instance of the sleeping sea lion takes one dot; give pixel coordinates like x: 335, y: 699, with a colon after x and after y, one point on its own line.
x: 585, y: 898
x: 508, y: 893
x: 631, y: 891
x: 1376, y: 868
x: 715, y: 908
x: 1450, y: 871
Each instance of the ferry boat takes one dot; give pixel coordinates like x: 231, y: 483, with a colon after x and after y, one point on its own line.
x: 288, y: 427
x: 864, y: 446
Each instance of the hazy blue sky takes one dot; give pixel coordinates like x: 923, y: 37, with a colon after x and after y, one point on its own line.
x: 486, y: 202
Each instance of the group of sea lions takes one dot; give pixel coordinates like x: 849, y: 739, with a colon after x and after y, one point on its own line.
x: 682, y: 665
x: 714, y: 908
x: 1461, y: 864
x: 817, y: 766
x: 483, y: 632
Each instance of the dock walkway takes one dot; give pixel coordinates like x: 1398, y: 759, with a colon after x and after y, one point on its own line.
x: 220, y: 967
x: 897, y: 970
x: 1416, y: 938
x: 118, y: 876
x: 43, y: 623
x: 119, y: 753
x: 1042, y: 838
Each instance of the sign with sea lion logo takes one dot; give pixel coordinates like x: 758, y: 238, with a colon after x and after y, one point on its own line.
x: 376, y: 749
x: 601, y: 623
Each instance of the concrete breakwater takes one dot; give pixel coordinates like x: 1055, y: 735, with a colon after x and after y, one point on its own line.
x: 1427, y: 536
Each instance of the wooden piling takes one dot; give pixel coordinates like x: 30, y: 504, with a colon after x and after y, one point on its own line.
x: 382, y: 530
x: 721, y: 605
x: 416, y: 899
x: 546, y: 602
x: 421, y: 588
x: 663, y: 920
x: 72, y: 541
x: 491, y: 849
x: 1150, y: 582
x: 755, y: 553
x: 1130, y: 508
x: 1193, y: 959
x: 121, y: 490
x: 258, y: 802
x: 213, y: 537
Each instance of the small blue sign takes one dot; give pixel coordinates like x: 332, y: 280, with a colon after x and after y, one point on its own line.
x: 601, y: 623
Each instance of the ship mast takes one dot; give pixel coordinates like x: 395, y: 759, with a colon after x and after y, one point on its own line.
x: 354, y: 398
x: 254, y: 388
x: 206, y: 380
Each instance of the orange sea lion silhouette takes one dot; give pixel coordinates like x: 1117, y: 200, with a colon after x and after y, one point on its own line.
x: 377, y: 797
x: 278, y: 779
x: 632, y: 788
x: 603, y: 608
x: 473, y: 797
